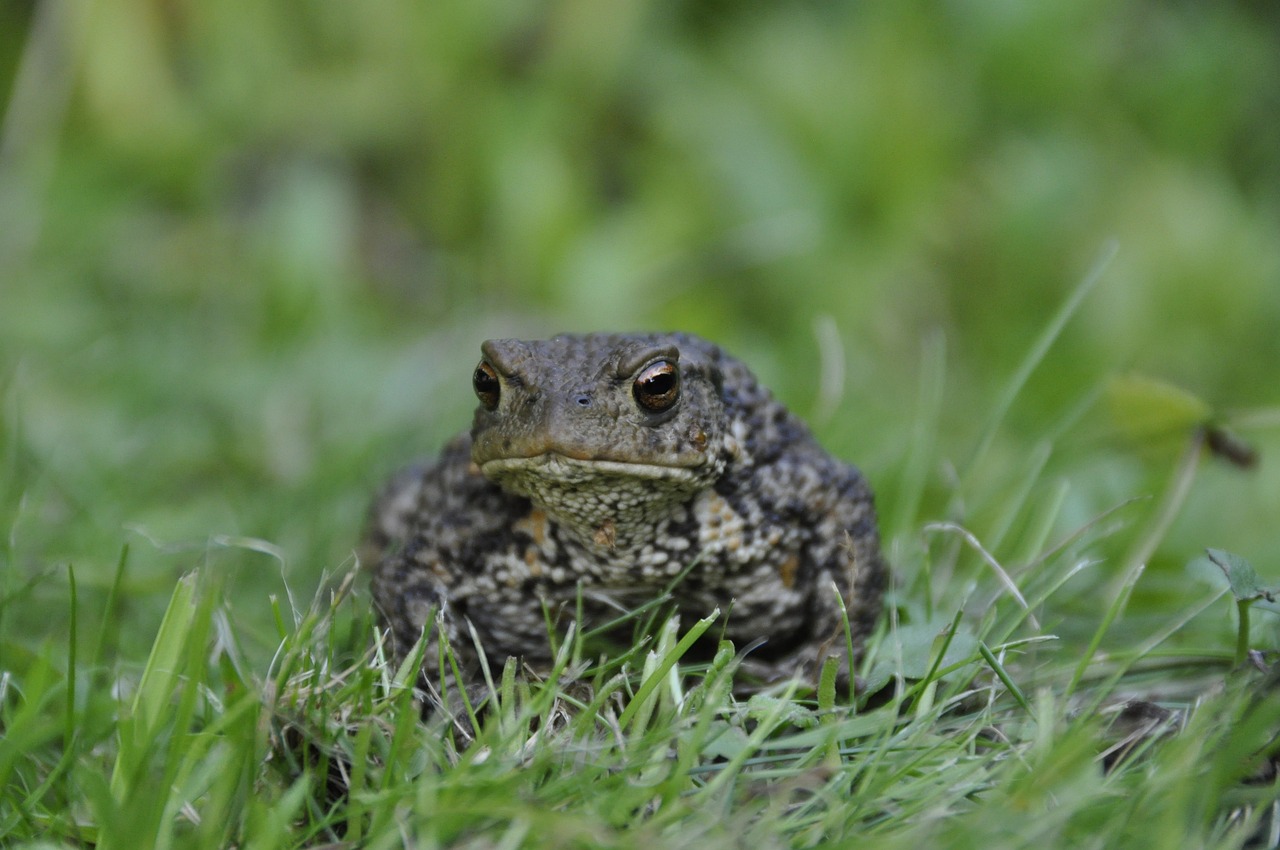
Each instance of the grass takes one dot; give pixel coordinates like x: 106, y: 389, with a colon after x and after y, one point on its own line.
x: 975, y: 739
x: 976, y: 725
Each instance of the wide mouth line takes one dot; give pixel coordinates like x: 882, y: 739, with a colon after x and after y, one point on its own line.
x: 626, y: 467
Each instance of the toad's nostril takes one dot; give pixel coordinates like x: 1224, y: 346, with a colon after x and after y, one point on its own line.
x: 582, y: 400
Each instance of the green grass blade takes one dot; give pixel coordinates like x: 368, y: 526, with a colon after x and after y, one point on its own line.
x: 156, y: 687
x: 663, y: 666
x: 1005, y: 678
x: 1039, y: 349
x: 69, y: 733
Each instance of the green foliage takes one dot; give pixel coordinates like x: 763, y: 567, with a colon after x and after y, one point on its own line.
x: 647, y: 748
x: 1018, y: 262
x: 1247, y: 588
x: 1148, y: 410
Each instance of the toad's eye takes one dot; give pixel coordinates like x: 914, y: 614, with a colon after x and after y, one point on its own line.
x: 658, y: 386
x: 485, y: 381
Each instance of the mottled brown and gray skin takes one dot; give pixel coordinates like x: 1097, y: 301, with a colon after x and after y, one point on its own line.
x: 569, y: 488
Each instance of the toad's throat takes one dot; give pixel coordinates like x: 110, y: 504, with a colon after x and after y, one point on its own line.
x: 608, y: 506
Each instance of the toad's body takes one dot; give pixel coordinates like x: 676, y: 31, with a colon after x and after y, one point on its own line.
x: 597, y: 470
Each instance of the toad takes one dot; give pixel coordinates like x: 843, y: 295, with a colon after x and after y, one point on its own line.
x: 603, y: 469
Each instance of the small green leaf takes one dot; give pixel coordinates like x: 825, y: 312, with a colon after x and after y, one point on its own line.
x: 1242, y: 577
x: 919, y: 643
x: 724, y: 740
x: 1148, y: 410
x: 762, y: 706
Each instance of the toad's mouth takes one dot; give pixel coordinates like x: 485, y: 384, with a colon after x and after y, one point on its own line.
x: 554, y: 466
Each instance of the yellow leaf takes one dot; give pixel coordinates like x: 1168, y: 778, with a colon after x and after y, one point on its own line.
x: 1150, y: 410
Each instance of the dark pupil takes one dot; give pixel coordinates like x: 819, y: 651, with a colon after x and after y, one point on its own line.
x: 659, y: 384
x: 486, y: 385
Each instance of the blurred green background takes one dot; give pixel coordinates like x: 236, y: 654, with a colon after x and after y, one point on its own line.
x: 248, y: 251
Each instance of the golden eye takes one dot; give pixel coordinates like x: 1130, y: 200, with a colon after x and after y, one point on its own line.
x: 487, y: 386
x: 658, y: 386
